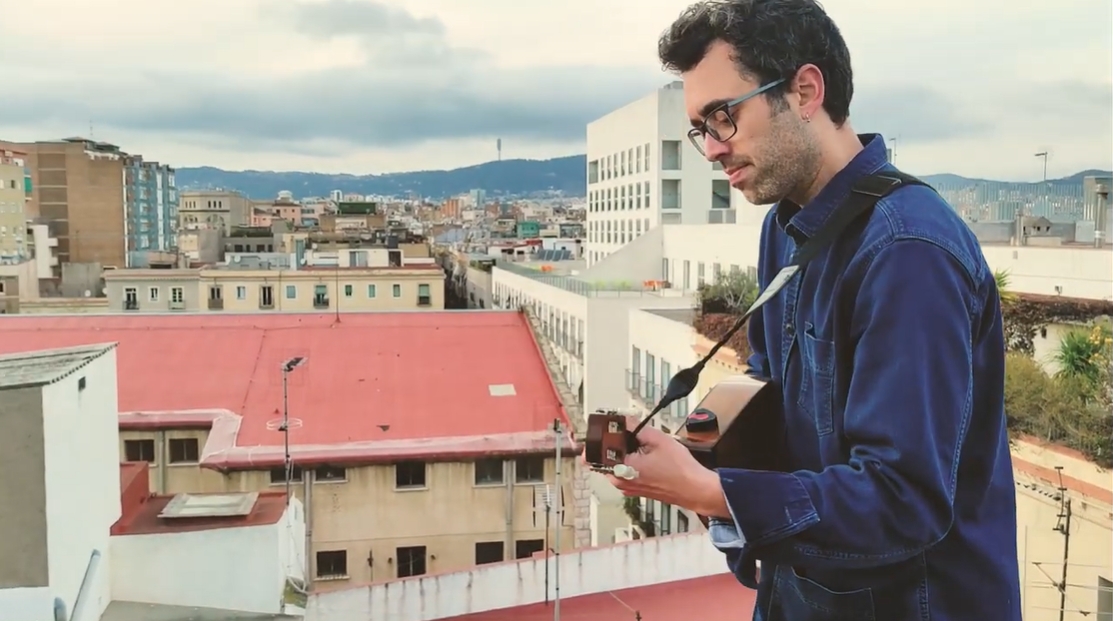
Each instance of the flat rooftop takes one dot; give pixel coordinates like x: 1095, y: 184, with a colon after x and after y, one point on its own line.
x: 367, y: 377
x: 134, y: 611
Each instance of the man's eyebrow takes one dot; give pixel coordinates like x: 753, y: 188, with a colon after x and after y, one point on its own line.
x: 710, y: 107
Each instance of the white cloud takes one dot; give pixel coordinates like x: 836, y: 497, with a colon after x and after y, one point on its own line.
x: 256, y: 84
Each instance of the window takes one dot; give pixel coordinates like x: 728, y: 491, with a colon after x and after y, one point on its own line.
x: 332, y: 564
x: 529, y: 469
x: 291, y: 292
x: 177, y: 295
x: 424, y: 298
x: 216, y: 292
x: 131, y: 298
x: 139, y: 450
x: 278, y: 475
x: 396, y: 290
x: 348, y: 290
x: 525, y: 548
x: 489, y: 552
x: 411, y: 561
x: 330, y: 474
x: 1105, y: 599
x: 152, y: 294
x: 681, y: 522
x: 266, y: 296
x: 184, y: 451
x: 488, y: 471
x: 409, y: 475
x: 241, y: 293
x: 370, y: 291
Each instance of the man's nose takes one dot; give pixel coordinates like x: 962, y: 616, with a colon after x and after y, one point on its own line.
x: 714, y: 149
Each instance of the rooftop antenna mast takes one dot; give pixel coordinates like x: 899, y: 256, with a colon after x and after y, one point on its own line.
x: 559, y: 523
x: 498, y: 146
x: 1063, y: 526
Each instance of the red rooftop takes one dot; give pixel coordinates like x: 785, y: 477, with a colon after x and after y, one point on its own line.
x: 374, y: 386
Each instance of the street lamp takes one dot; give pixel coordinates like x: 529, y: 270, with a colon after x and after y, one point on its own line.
x: 287, y: 367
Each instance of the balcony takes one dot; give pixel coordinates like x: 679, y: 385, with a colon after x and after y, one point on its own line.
x: 131, y: 305
x: 216, y: 303
x: 424, y: 300
x: 320, y: 301
x: 177, y: 305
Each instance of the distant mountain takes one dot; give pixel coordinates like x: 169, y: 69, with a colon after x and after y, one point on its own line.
x: 516, y: 177
x: 509, y: 177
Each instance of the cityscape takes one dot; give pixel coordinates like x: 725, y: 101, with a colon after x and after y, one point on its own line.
x: 237, y: 394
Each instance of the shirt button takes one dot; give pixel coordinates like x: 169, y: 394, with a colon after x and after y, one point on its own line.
x: 789, y: 328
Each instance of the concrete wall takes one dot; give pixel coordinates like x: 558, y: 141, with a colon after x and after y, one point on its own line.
x: 193, y: 568
x: 82, y: 479
x: 505, y: 585
x: 1067, y: 271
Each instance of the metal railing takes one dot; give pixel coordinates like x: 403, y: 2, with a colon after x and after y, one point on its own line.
x: 577, y: 285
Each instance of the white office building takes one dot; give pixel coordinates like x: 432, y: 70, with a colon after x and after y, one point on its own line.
x: 643, y: 172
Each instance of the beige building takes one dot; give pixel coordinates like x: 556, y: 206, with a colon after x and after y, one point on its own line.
x: 412, y: 451
x: 13, y: 214
x: 213, y: 209
x: 225, y: 288
x: 372, y: 522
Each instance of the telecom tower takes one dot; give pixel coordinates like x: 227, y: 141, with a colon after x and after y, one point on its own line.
x: 498, y: 145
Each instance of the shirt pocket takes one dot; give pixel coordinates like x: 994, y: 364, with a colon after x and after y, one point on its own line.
x: 816, y: 396
x: 796, y: 598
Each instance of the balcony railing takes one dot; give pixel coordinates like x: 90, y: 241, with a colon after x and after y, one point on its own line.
x: 177, y: 305
x: 216, y: 303
x: 131, y: 305
x: 579, y: 286
x: 320, y: 302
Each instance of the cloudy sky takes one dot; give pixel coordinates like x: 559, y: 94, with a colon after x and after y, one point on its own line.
x: 974, y: 87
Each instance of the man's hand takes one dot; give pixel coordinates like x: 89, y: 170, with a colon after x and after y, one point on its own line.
x: 667, y: 472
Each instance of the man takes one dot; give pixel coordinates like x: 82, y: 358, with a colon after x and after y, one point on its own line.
x: 897, y: 499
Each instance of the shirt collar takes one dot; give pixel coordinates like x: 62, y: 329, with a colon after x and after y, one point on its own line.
x: 802, y: 223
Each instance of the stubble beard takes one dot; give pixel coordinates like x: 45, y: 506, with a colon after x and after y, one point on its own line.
x: 785, y: 162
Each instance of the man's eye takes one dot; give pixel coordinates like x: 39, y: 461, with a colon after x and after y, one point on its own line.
x: 718, y: 118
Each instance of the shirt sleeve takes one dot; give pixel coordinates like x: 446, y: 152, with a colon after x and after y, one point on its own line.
x: 906, y: 414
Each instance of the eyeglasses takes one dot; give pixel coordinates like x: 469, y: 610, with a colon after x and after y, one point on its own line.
x: 719, y: 123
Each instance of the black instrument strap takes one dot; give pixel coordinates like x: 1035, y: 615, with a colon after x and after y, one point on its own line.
x: 864, y: 195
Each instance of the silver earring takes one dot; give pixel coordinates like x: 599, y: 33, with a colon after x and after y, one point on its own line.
x: 807, y: 118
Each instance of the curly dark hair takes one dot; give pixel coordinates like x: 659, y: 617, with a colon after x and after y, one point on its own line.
x: 771, y: 39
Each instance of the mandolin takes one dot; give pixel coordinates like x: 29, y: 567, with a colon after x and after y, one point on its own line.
x: 738, y: 424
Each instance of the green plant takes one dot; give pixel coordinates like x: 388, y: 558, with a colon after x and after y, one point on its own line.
x: 732, y: 293
x: 1065, y: 409
x: 1085, y: 354
x: 1005, y: 294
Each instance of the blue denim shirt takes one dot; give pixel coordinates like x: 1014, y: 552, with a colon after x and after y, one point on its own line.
x: 894, y: 499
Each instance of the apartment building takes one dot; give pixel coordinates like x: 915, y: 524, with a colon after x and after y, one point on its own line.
x: 239, y: 288
x: 415, y: 447
x: 14, y: 189
x: 643, y: 172
x: 213, y: 209
x: 151, y: 208
x: 78, y: 192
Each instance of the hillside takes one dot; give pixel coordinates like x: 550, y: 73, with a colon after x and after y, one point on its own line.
x: 516, y: 177
x: 567, y: 175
